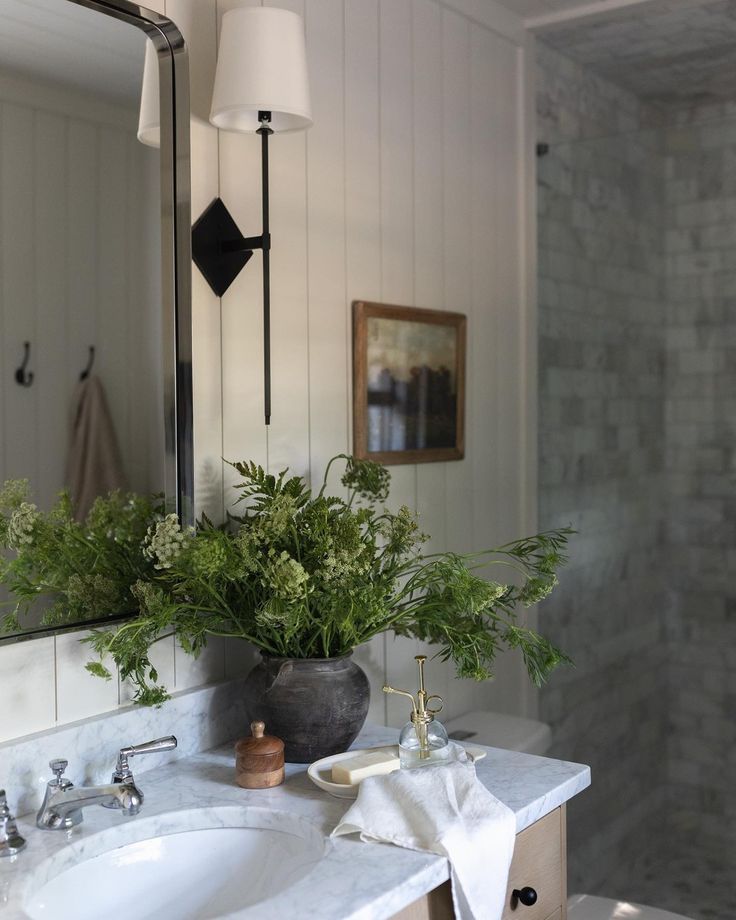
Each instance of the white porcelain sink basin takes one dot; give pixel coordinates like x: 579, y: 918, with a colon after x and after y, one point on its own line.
x: 192, y: 865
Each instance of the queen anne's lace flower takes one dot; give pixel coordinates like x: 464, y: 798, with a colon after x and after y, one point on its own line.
x: 536, y: 589
x: 164, y: 542
x: 21, y: 524
x: 13, y: 493
x: 280, y: 517
x: 92, y: 593
x: 210, y: 558
x: 287, y: 577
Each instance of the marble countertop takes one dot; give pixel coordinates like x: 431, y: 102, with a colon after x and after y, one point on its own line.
x: 354, y: 880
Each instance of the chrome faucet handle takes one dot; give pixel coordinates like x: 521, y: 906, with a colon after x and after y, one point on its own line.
x: 122, y: 771
x: 11, y: 841
x: 58, y: 766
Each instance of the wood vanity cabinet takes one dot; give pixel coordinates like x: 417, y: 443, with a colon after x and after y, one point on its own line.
x: 540, y: 862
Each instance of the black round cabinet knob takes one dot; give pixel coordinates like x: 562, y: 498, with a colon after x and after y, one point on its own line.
x: 527, y: 896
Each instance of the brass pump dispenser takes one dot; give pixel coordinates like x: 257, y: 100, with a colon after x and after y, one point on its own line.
x: 423, y: 739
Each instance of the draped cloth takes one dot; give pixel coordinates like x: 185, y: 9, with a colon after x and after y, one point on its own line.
x: 446, y: 810
x: 94, y: 464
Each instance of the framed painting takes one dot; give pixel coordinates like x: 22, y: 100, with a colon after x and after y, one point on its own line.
x: 408, y: 384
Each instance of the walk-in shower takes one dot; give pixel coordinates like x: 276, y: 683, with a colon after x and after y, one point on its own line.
x: 637, y: 371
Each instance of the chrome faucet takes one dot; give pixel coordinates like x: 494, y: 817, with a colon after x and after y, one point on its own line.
x: 63, y: 802
x: 11, y: 841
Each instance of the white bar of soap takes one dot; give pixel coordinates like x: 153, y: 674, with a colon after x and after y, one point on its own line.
x: 372, y: 763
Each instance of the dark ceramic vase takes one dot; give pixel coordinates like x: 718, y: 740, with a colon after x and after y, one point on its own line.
x: 316, y: 706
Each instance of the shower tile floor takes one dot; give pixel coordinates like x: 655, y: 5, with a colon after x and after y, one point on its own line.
x: 682, y: 876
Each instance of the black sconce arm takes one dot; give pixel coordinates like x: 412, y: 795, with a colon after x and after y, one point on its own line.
x: 247, y: 242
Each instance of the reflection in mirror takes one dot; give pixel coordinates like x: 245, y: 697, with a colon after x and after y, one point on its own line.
x: 80, y: 261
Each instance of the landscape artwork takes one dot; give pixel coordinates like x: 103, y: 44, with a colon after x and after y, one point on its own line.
x: 409, y: 369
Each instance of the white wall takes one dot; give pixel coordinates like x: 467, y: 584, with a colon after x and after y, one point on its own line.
x: 413, y: 187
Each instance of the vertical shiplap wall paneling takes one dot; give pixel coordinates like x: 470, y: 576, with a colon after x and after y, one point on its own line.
x: 110, y: 318
x: 244, y: 434
x: 141, y: 327
x: 363, y: 230
x: 30, y: 705
x: 497, y: 159
x: 63, y: 170
x: 328, y: 316
x: 460, y: 193
x: 18, y: 264
x: 288, y: 433
x: 402, y: 192
x: 428, y: 268
x: 425, y: 185
x: 428, y: 207
x: 396, y: 79
x: 50, y: 207
x: 145, y: 326
x: 483, y: 342
x: 83, y: 235
x: 508, y: 159
x: 141, y: 320
x: 457, y: 254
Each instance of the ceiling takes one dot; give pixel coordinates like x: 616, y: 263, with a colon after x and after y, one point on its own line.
x: 60, y: 42
x: 668, y: 52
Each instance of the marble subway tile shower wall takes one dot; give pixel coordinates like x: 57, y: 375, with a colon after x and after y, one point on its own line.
x: 602, y: 425
x: 701, y: 460
x: 637, y: 361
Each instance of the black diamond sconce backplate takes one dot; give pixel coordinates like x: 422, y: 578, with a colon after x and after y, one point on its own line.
x: 214, y: 228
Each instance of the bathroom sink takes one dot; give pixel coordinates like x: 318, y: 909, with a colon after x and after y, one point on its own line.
x: 197, y: 864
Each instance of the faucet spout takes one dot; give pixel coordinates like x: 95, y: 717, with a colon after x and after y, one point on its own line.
x: 62, y: 807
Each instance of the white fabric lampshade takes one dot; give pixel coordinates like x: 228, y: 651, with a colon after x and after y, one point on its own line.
x: 261, y: 66
x: 149, y: 120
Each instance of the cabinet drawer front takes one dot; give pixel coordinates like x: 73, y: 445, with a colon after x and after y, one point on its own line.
x: 538, y: 863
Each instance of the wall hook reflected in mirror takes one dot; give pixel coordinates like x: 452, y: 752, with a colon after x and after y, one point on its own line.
x: 22, y: 377
x: 90, y: 362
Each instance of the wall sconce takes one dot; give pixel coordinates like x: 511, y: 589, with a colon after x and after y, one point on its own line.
x: 261, y: 86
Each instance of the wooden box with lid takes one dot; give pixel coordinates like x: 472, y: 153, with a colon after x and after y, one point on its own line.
x: 259, y: 762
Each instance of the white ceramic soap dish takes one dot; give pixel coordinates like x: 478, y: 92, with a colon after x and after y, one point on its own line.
x: 320, y: 772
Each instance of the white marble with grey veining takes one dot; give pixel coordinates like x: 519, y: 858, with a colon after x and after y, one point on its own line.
x: 352, y: 881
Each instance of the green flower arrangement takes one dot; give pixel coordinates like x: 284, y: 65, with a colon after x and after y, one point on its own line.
x: 298, y: 574
x: 76, y: 571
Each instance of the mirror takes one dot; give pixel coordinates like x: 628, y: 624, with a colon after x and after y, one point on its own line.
x: 95, y: 305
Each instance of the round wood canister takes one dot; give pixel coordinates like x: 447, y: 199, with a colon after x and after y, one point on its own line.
x: 259, y: 762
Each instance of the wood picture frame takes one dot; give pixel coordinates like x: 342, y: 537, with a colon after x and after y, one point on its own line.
x: 408, y: 384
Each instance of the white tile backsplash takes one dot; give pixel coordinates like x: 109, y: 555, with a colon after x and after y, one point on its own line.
x: 23, y: 712
x: 209, y: 666
x: 80, y: 694
x: 200, y: 719
x: 162, y: 656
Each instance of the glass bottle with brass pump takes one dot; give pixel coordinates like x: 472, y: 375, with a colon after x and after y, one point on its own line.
x: 423, y: 740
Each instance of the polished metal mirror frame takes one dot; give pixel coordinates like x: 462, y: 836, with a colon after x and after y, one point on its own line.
x: 176, y: 276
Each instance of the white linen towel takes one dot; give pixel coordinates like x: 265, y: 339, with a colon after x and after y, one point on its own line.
x: 448, y: 811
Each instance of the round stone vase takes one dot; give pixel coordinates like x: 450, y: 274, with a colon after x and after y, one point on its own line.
x: 316, y: 706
